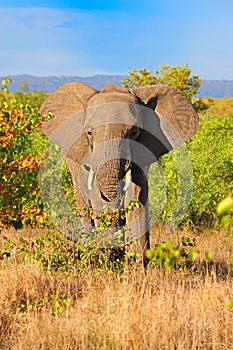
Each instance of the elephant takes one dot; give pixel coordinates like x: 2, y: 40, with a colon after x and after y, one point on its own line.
x: 110, y: 137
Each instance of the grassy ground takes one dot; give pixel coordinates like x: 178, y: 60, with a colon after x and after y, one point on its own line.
x: 102, y: 309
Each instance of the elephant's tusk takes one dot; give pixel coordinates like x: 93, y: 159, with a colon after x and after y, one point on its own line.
x: 90, y: 179
x: 128, y: 179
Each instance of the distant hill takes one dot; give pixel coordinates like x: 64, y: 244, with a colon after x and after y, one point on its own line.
x: 216, y: 88
x: 209, y: 88
x: 51, y: 83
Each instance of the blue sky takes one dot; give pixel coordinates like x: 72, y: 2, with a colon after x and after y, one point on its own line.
x: 65, y: 37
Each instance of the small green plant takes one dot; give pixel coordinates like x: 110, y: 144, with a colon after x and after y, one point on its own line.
x: 56, y: 304
x: 55, y: 252
x: 201, y: 104
x: 229, y: 304
x: 172, y: 256
x: 225, y: 210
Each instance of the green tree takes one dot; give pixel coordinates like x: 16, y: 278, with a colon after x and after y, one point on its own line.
x: 23, y: 86
x: 178, y: 77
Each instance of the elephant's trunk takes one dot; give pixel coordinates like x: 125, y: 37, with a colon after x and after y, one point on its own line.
x: 108, y: 180
x: 110, y: 175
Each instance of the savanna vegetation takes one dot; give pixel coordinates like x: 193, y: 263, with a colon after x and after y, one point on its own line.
x: 178, y: 77
x: 56, y: 294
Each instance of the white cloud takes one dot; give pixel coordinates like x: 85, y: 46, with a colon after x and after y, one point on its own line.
x: 45, y: 41
x: 41, y: 40
x: 60, y: 41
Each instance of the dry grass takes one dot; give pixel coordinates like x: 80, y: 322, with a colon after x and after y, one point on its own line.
x: 218, y: 107
x: 153, y: 309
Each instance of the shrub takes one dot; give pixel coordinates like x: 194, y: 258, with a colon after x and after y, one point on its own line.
x: 210, y: 153
x: 34, y: 98
x: 21, y: 146
x: 178, y: 77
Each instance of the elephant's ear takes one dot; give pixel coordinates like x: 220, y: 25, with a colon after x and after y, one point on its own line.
x: 175, y: 119
x: 70, y: 98
x: 65, y: 129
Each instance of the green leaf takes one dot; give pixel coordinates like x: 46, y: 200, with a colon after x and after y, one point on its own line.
x: 224, y: 205
x: 149, y: 253
x: 229, y: 304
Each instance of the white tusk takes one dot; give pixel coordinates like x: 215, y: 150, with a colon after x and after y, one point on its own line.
x: 128, y: 179
x: 90, y: 179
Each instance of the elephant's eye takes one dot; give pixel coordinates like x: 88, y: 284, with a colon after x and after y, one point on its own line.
x: 90, y: 138
x: 135, y: 133
x: 89, y: 132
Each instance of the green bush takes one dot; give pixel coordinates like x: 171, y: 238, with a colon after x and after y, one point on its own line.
x: 54, y: 251
x: 21, y: 146
x: 172, y: 256
x: 210, y: 152
x: 34, y: 98
x: 178, y: 77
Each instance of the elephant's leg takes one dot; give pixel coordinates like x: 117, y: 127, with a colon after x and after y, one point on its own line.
x: 138, y: 219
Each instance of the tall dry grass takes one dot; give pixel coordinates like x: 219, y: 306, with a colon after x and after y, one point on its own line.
x: 218, y: 107
x: 94, y: 309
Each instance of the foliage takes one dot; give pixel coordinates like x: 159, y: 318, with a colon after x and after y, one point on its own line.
x: 201, y: 104
x: 225, y: 205
x: 55, y: 252
x: 23, y: 86
x: 178, y: 77
x: 4, y: 87
x: 210, y: 153
x: 4, y: 92
x: 172, y: 256
x: 20, y: 148
x: 225, y: 210
x: 34, y: 98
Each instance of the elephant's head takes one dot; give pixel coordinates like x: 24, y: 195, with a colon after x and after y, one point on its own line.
x: 110, y: 137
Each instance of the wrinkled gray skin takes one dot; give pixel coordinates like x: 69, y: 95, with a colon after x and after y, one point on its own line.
x: 110, y: 138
